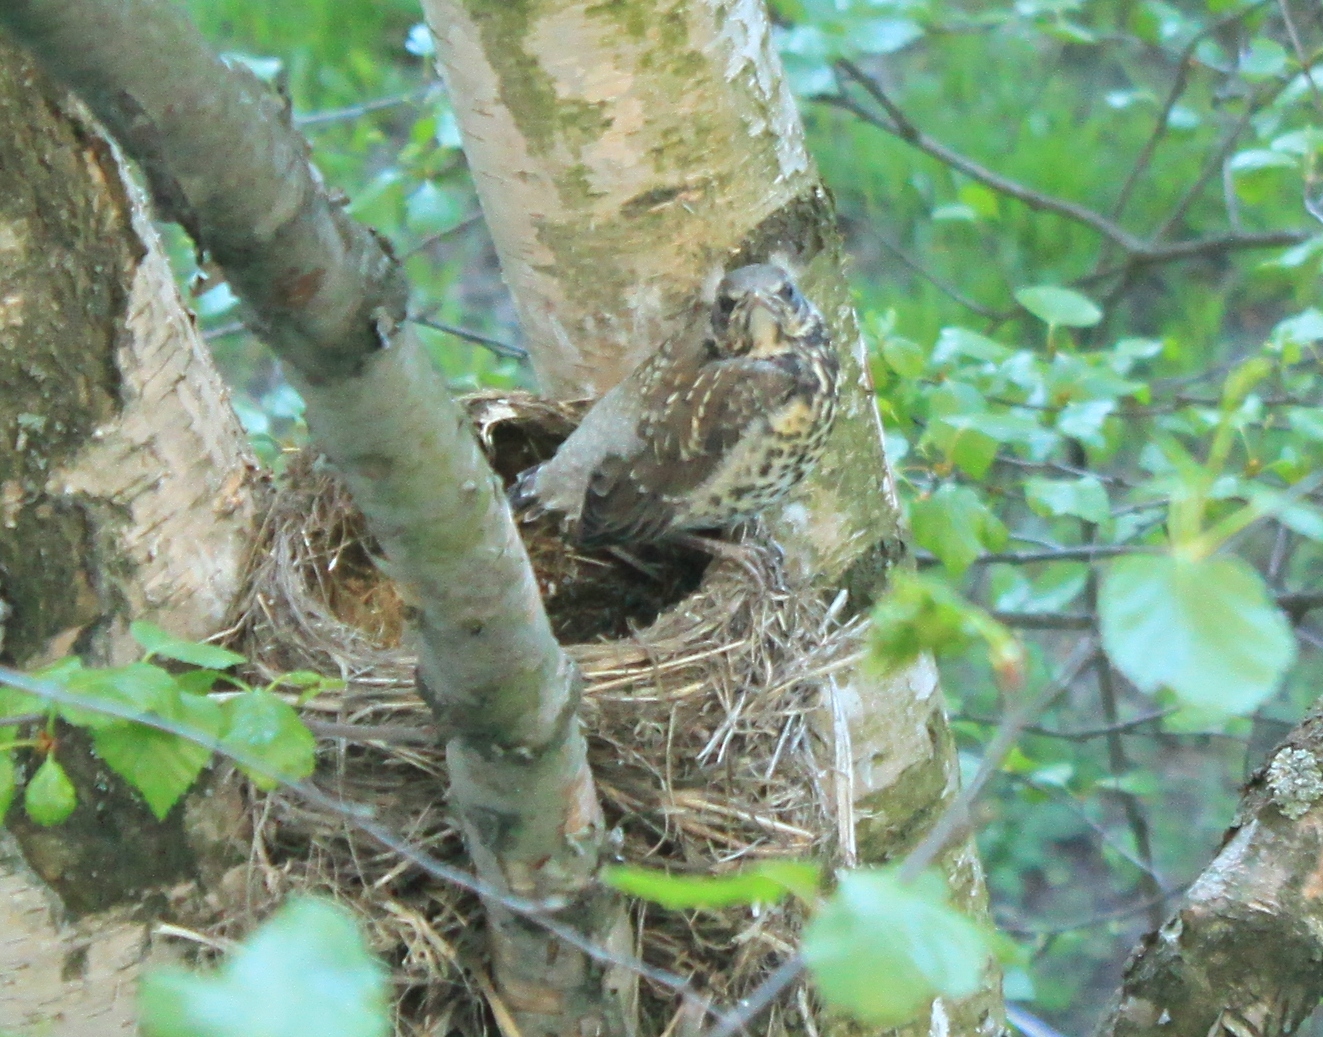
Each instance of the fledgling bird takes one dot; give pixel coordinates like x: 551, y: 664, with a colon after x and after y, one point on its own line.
x: 709, y: 431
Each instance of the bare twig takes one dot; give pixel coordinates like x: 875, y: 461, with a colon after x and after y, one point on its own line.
x: 537, y: 912
x: 234, y: 327
x: 1214, y: 164
x: 1046, y: 620
x: 1138, y: 251
x: 463, y: 225
x: 761, y: 999
x: 901, y: 127
x: 956, y: 817
x: 942, y: 285
x: 501, y: 349
x: 19, y: 719
x: 360, y: 734
x: 1082, y: 552
x: 357, y: 111
x: 1084, y: 734
x: 1119, y: 763
x: 1183, y: 65
x: 1306, y: 62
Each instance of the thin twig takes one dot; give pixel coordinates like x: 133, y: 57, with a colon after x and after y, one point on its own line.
x: 19, y: 719
x: 1118, y: 762
x: 362, y: 734
x: 1099, y: 918
x: 761, y: 999
x: 464, y: 224
x: 495, y: 345
x: 235, y: 327
x: 1306, y: 62
x: 1160, y: 126
x: 901, y: 127
x: 1082, y: 552
x: 1083, y: 734
x: 954, y: 820
x: 1214, y: 163
x: 357, y: 111
x: 1046, y: 620
x: 358, y: 816
x: 1138, y: 251
x: 942, y: 285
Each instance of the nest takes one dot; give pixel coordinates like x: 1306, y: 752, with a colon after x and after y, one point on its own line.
x: 704, y: 709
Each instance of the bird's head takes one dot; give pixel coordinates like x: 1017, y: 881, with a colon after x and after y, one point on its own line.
x: 760, y: 312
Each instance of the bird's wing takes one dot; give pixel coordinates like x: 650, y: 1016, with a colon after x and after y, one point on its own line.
x: 683, y: 438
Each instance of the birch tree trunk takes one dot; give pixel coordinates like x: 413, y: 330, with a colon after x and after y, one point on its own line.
x: 626, y: 154
x: 126, y: 492
x: 1240, y: 954
x: 222, y: 158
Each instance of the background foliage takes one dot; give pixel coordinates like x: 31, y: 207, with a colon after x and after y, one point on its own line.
x: 1083, y: 257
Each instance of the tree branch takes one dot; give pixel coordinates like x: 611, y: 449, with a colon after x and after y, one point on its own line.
x: 1138, y: 252
x: 222, y: 158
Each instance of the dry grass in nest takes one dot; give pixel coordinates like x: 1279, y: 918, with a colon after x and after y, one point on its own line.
x: 705, y: 709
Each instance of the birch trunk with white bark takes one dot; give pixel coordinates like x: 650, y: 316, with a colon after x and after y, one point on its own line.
x: 127, y: 492
x: 626, y: 153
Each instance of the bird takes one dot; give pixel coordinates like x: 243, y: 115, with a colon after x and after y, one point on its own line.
x: 712, y: 429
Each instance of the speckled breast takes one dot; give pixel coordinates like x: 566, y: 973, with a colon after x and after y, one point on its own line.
x: 775, y: 453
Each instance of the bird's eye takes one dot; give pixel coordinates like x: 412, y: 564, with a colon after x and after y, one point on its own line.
x: 787, y: 292
x: 726, y: 305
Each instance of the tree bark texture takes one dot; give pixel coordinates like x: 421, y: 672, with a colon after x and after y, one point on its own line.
x: 128, y: 493
x: 626, y: 154
x: 222, y: 158
x: 1242, y: 955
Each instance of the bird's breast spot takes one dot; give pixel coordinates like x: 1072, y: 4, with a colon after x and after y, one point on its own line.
x: 794, y: 420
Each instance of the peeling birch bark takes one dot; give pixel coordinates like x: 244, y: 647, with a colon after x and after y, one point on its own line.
x: 625, y: 155
x: 1240, y: 956
x: 127, y: 494
x: 222, y: 158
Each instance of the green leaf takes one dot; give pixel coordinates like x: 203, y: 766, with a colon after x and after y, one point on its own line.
x: 1263, y: 59
x: 8, y: 783
x: 906, y: 358
x: 1084, y: 498
x: 157, y: 642
x: 431, y: 209
x: 1307, y: 422
x: 883, y: 35
x: 141, y: 687
x: 1258, y: 159
x: 1007, y: 428
x: 1051, y: 589
x: 49, y: 797
x: 265, y: 727
x: 1204, y: 627
x: 766, y: 883
x: 305, y: 973
x: 1242, y: 379
x: 954, y: 342
x: 955, y: 525
x: 1059, y: 306
x: 1085, y: 421
x: 161, y: 766
x: 881, y: 951
x: 921, y: 615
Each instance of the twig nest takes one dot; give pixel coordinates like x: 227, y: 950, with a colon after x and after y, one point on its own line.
x: 704, y: 697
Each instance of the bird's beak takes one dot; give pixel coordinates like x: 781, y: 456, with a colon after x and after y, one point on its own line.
x: 764, y: 327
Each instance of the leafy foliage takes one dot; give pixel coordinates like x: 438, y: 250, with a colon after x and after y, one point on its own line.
x: 257, y: 728
x: 882, y: 950
x: 765, y: 883
x: 305, y: 973
x: 1094, y: 329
